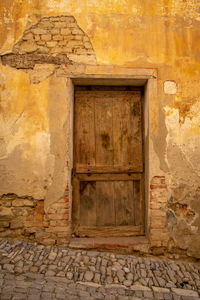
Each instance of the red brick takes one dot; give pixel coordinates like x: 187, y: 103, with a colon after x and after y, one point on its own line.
x: 158, y: 213
x: 51, y: 211
x: 62, y: 222
x: 160, y: 186
x: 158, y: 222
x: 158, y: 234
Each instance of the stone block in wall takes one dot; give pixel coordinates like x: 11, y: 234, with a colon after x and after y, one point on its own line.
x: 4, y: 224
x: 5, y: 213
x: 27, y: 47
x: 46, y: 37
x: 65, y: 31
x: 17, y: 223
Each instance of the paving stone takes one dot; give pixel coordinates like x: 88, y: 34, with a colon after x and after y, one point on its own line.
x: 65, y: 273
x: 140, y: 288
x: 158, y: 295
x: 183, y: 292
x: 122, y: 297
x: 88, y: 275
x: 148, y: 294
x: 50, y: 273
x: 127, y: 282
x: 168, y: 296
x: 176, y: 297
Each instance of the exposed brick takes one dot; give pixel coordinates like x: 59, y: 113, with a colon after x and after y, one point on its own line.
x: 74, y: 43
x: 84, y: 59
x: 46, y: 24
x: 43, y: 50
x: 62, y: 222
x: 57, y: 229
x: 87, y: 45
x: 67, y: 37
x: 56, y: 50
x: 155, y: 186
x: 65, y: 31
x: 55, y: 31
x: 39, y: 31
x: 46, y: 37
x: 52, y: 223
x: 40, y: 38
x: 51, y: 44
x: 59, y: 24
x: 41, y: 43
x: 37, y: 37
x: 156, y: 243
x: 18, y: 202
x: 159, y: 234
x: 67, y: 19
x: 62, y: 43
x: 72, y: 25
x: 57, y: 216
x: 28, y: 36
x: 158, y: 213
x: 4, y: 224
x: 78, y: 37
x: 86, y: 39
x: 35, y: 223
x: 157, y: 205
x: 52, y: 211
x: 16, y: 224
x: 158, y: 222
x: 57, y: 37
x: 77, y: 31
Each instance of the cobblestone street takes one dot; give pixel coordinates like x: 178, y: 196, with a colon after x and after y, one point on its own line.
x: 30, y: 271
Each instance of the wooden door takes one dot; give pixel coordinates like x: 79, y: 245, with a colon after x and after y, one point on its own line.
x: 108, y: 162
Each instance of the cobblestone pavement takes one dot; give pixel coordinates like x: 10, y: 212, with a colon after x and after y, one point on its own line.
x: 29, y: 271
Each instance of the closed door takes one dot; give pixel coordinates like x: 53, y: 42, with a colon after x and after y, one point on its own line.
x: 108, y: 162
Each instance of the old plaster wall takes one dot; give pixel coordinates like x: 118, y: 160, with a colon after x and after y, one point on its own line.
x: 34, y: 103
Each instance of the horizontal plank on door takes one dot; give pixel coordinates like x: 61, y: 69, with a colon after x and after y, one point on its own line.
x: 108, y: 176
x: 106, y: 169
x: 106, y: 231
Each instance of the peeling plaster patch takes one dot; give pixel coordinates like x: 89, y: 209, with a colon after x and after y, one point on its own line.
x: 172, y: 121
x: 170, y: 87
x: 53, y: 40
x: 187, y: 109
x: 182, y: 152
x: 183, y: 218
x: 41, y: 72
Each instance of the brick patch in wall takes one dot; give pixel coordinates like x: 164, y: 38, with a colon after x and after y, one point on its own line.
x: 159, y: 235
x: 20, y: 216
x: 24, y: 217
x: 53, y: 40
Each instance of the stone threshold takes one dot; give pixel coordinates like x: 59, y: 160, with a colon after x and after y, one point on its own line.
x: 107, y: 242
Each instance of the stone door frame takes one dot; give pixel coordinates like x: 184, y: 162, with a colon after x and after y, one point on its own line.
x: 115, y: 75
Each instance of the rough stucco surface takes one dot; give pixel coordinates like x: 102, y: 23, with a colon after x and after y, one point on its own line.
x: 34, y: 103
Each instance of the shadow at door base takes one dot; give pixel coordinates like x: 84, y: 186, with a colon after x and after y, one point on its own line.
x: 119, y: 244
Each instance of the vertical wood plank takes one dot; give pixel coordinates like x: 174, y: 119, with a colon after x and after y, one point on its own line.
x: 127, y: 131
x: 120, y: 131
x: 88, y: 203
x: 84, y: 130
x: 105, y: 203
x: 135, y: 147
x: 104, y: 130
x: 137, y: 203
x: 76, y: 204
x: 123, y: 198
